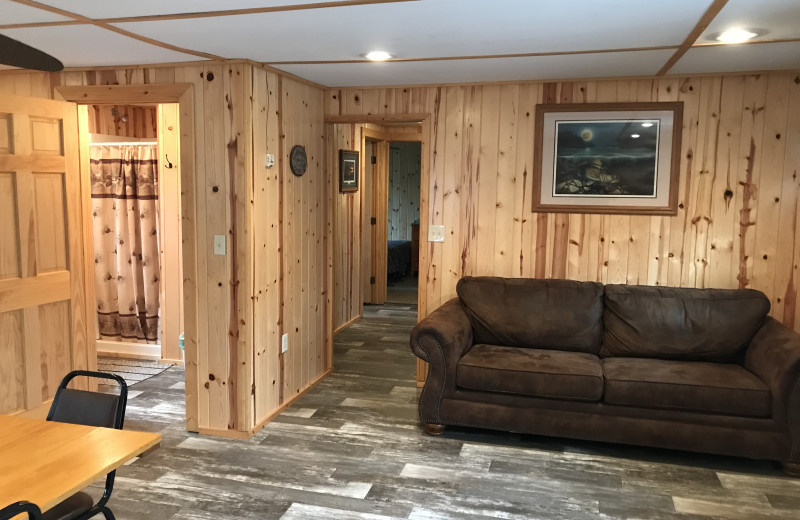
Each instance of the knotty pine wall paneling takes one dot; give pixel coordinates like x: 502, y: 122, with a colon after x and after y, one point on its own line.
x: 268, y: 233
x: 139, y: 121
x: 347, y: 239
x: 236, y: 378
x: 305, y: 255
x: 293, y: 251
x: 738, y: 215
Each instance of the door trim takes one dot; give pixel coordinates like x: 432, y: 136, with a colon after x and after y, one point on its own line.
x: 183, y: 94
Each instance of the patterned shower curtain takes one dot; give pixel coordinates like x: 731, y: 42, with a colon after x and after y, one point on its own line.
x: 126, y: 250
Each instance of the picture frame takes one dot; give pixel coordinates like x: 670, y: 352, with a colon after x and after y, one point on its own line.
x: 348, y: 171
x: 616, y: 158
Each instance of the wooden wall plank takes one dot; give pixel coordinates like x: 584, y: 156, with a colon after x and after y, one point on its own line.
x: 506, y: 180
x: 773, y: 150
x: 487, y: 180
x: 124, y: 120
x: 214, y: 369
x: 435, y: 196
x: 453, y: 103
x: 267, y: 229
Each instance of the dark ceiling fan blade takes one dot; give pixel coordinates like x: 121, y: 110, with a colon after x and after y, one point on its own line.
x: 17, y: 54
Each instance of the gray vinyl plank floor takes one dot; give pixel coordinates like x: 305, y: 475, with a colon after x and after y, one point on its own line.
x: 353, y: 448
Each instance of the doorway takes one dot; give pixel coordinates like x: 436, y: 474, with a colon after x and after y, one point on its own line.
x: 392, y: 199
x: 403, y: 222
x: 134, y: 177
x: 361, y: 216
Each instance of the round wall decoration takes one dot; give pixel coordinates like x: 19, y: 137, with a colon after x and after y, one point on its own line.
x: 298, y: 161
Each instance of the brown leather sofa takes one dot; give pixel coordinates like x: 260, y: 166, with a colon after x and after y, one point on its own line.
x: 692, y: 369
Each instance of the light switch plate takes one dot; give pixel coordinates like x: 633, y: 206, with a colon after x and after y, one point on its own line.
x: 269, y: 160
x: 219, y: 244
x: 435, y: 233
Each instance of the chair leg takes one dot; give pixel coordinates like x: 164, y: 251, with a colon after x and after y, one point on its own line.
x: 108, y: 514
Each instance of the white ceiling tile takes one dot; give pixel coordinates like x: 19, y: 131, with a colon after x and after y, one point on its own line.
x: 735, y: 58
x: 14, y: 13
x: 641, y: 63
x: 119, y: 8
x: 87, y: 46
x: 434, y: 28
x: 780, y: 17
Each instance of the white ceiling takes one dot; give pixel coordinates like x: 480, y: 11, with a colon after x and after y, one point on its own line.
x: 496, y: 40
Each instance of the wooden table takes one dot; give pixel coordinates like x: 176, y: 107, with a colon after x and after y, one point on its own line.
x: 45, y: 462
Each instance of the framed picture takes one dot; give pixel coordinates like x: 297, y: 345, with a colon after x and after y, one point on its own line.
x: 621, y: 158
x: 348, y: 170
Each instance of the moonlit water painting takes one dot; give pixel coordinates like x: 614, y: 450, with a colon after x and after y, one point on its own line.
x: 606, y: 158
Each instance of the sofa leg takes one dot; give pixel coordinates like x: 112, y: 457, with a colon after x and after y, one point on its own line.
x: 434, y: 429
x: 791, y: 468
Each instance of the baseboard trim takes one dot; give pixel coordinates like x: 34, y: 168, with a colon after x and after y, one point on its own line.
x: 128, y: 350
x: 266, y: 420
x: 228, y: 434
x: 346, y: 324
x: 236, y: 434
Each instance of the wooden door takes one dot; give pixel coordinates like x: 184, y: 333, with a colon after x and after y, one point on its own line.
x: 369, y: 150
x: 380, y: 214
x: 44, y: 331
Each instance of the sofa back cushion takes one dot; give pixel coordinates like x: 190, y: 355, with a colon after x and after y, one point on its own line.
x: 534, y: 313
x: 680, y: 323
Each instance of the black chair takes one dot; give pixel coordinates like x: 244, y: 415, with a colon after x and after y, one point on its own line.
x: 89, y: 409
x: 20, y: 508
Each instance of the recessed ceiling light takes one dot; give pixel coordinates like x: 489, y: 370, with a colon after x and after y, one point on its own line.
x: 737, y: 35
x: 635, y: 136
x: 378, y: 56
x: 647, y: 125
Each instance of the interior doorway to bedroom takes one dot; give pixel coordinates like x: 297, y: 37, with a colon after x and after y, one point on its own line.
x: 402, y: 257
x: 392, y: 158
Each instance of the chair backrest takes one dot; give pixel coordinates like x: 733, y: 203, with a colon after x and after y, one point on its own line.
x: 89, y: 408
x: 20, y: 508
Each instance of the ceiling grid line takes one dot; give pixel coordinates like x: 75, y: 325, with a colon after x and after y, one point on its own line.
x: 89, y: 21
x: 690, y: 40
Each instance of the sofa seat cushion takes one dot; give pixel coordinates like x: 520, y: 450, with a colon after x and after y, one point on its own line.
x: 685, y: 385
x: 532, y: 372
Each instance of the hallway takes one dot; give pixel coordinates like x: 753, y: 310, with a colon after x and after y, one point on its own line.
x: 353, y: 448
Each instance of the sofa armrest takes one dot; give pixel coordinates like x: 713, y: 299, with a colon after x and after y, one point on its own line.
x: 441, y: 339
x: 774, y: 356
